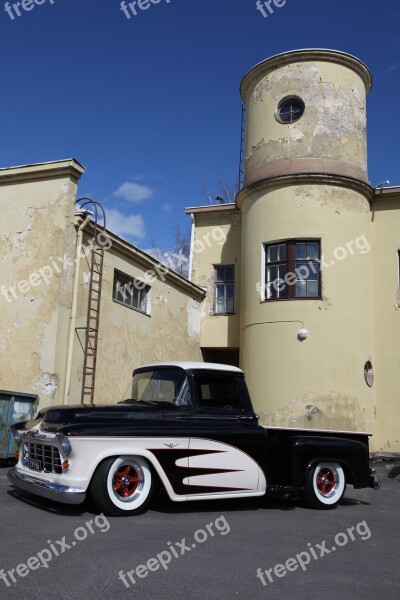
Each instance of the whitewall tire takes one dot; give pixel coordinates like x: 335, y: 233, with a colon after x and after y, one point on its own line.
x: 325, y: 485
x: 122, y: 486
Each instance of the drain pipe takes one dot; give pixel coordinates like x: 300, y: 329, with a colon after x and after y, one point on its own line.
x: 74, y: 307
x: 191, y: 248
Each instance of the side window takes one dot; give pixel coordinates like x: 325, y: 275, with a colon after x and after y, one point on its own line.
x: 218, y: 391
x: 224, y: 295
x: 130, y: 292
x: 292, y: 270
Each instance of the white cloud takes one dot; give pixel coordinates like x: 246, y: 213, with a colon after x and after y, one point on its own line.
x: 167, y: 207
x: 134, y: 192
x: 125, y: 226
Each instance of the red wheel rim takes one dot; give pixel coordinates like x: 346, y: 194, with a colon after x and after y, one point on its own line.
x: 125, y: 481
x: 325, y: 481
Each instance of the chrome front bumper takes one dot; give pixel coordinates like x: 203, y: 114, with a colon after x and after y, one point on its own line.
x: 45, y: 489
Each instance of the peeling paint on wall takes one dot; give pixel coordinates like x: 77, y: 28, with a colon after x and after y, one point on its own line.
x: 332, y: 411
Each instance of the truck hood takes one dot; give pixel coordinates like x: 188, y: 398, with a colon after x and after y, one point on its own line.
x: 82, y: 419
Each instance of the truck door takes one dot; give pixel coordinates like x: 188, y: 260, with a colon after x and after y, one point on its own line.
x: 227, y: 447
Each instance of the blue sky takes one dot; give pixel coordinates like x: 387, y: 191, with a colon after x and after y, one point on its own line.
x: 150, y: 105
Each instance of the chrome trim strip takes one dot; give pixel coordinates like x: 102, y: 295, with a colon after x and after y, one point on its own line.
x: 45, y: 489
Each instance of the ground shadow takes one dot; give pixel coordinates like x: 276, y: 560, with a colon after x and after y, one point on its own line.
x: 394, y: 472
x: 50, y: 506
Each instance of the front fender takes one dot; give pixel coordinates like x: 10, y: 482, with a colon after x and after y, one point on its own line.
x: 88, y: 453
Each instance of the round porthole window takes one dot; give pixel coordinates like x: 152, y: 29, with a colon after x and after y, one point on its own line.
x: 290, y: 110
x: 368, y: 373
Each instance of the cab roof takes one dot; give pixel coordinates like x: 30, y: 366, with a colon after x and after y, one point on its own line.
x: 189, y: 366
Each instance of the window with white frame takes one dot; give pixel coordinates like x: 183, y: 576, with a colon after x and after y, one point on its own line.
x: 224, y: 289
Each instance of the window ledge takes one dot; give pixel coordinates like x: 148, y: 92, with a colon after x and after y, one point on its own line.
x: 319, y: 298
x: 142, y: 312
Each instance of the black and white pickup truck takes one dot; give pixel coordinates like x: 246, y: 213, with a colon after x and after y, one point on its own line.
x: 192, y: 427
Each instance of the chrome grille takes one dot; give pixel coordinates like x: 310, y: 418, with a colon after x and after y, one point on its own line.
x: 48, y: 456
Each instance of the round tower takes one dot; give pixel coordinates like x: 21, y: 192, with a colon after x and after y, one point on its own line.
x: 306, y: 260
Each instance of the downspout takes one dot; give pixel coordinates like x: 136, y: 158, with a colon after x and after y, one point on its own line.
x: 74, y: 306
x: 191, y: 248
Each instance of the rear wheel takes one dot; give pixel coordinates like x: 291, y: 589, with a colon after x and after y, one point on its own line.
x: 325, y: 485
x: 122, y: 486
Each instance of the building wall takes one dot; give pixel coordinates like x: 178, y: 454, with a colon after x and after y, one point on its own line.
x: 38, y: 258
x: 306, y: 180
x: 37, y: 233
x: 385, y: 219
x: 128, y: 338
x: 318, y: 382
x: 217, y: 240
x: 331, y: 135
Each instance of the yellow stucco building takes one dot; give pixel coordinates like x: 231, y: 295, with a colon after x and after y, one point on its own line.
x: 297, y: 282
x: 147, y: 312
x: 304, y: 293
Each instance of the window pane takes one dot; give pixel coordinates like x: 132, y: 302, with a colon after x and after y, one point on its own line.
x: 271, y: 291
x: 272, y: 273
x: 220, y: 306
x: 143, y: 301
x: 219, y: 273
x: 220, y: 291
x: 282, y: 269
x: 272, y: 253
x: 313, y: 268
x: 302, y: 271
x: 281, y: 289
x: 301, y: 289
x: 229, y: 273
x: 229, y: 305
x: 282, y: 253
x: 312, y: 289
x: 300, y: 250
x: 313, y: 250
x: 229, y: 291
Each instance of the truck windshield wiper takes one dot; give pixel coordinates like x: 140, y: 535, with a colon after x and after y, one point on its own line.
x: 128, y: 401
x: 131, y: 400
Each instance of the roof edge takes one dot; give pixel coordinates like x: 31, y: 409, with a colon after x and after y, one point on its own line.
x: 149, y: 262
x: 45, y: 170
x: 308, y: 54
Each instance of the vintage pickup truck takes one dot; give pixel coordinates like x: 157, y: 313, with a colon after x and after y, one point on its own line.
x: 192, y: 428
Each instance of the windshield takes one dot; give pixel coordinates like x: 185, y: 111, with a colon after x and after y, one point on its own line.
x: 161, y: 385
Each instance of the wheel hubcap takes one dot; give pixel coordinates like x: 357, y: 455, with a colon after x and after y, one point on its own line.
x: 125, y: 482
x: 326, y: 481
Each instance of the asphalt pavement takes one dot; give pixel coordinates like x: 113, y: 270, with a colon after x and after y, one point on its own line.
x: 238, y: 549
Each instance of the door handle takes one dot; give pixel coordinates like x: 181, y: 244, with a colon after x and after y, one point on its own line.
x: 246, y: 418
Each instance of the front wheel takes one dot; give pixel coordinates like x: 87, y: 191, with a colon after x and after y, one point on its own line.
x: 325, y: 485
x: 122, y: 486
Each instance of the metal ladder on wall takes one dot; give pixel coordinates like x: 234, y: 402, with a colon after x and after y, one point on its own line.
x: 242, y: 150
x: 96, y: 262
